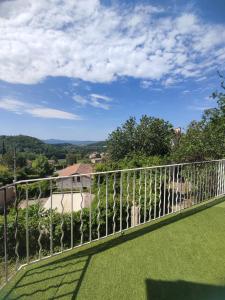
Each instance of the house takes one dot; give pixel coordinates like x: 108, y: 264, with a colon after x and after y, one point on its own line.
x: 77, y: 181
x: 177, y: 136
x: 96, y: 157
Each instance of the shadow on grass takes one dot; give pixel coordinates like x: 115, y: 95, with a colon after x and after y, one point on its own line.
x: 63, y: 277
x: 171, y: 290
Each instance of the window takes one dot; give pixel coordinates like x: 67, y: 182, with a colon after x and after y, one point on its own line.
x: 78, y: 178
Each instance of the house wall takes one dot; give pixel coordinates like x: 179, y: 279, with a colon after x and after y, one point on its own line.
x: 85, y: 182
x: 10, y: 196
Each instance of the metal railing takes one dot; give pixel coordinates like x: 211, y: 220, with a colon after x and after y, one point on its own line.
x: 47, y: 216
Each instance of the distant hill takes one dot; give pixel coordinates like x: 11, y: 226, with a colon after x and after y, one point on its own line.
x: 22, y: 143
x: 56, y: 148
x: 32, y: 146
x: 72, y: 142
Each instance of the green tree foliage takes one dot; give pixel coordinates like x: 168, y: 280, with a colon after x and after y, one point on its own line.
x: 41, y: 166
x: 205, y: 139
x: 8, y: 160
x: 5, y: 175
x: 151, y: 136
x: 71, y: 158
x: 3, y: 147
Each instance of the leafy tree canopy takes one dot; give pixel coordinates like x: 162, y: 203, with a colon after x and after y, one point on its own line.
x: 41, y: 166
x: 205, y: 139
x: 151, y: 136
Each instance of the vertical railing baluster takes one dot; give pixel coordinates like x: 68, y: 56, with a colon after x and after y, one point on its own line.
x: 121, y: 202
x: 206, y: 181
x: 134, y: 199
x: 168, y: 198
x: 197, y: 183
x: 219, y: 173
x: 194, y: 184
x: 218, y: 179
x: 16, y: 229
x: 181, y: 186
x: 139, y: 201
x: 62, y: 217
x: 51, y: 229
x: 177, y: 188
x: 5, y: 236
x: 210, y: 180
x: 128, y: 198
x: 222, y: 192
x: 71, y: 214
x: 215, y: 178
x: 98, y: 207
x: 114, y: 203
x: 90, y: 211
x: 201, y: 182
x: 150, y: 195
x: 191, y: 185
x: 187, y: 185
x: 39, y: 223
x: 27, y: 226
x: 106, y: 205
x: 145, y: 199
x: 160, y: 191
x: 155, y: 194
x: 81, y: 212
x: 173, y: 187
x: 164, y: 193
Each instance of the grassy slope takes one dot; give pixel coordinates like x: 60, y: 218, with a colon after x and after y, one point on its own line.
x: 182, y: 257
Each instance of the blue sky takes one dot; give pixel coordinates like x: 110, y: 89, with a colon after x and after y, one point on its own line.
x: 78, y: 69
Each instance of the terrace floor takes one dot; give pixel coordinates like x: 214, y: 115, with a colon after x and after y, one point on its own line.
x: 180, y: 257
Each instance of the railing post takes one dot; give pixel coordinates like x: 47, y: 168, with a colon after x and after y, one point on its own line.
x: 5, y: 236
x: 27, y: 229
x: 121, y: 201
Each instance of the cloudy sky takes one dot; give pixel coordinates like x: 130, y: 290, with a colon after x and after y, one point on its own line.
x: 77, y: 69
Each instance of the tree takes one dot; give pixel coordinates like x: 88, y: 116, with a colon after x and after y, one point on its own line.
x: 3, y: 147
x: 41, y: 166
x: 205, y: 139
x: 71, y: 158
x: 5, y: 175
x: 8, y: 160
x: 152, y: 136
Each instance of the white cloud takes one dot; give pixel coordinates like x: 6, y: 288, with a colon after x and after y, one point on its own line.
x: 186, y: 92
x: 86, y: 40
x: 101, y: 97
x: 170, y: 81
x: 199, y: 108
x: 95, y: 100
x: 20, y: 107
x: 80, y: 100
x: 145, y: 84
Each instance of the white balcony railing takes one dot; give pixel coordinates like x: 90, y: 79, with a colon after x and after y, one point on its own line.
x: 47, y: 216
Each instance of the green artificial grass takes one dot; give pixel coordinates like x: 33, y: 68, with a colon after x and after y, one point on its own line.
x: 181, y: 257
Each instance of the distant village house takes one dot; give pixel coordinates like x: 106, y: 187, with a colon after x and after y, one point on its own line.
x: 77, y: 181
x: 96, y: 157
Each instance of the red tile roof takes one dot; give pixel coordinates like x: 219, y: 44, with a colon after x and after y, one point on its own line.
x: 76, y: 169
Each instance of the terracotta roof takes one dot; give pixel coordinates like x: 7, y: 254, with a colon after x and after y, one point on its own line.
x: 76, y: 169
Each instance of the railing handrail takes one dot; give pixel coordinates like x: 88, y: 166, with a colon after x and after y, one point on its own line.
x: 24, y: 181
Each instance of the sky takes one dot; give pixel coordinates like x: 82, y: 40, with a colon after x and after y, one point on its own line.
x: 78, y: 69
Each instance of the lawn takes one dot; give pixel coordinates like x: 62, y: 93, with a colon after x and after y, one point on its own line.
x: 181, y: 257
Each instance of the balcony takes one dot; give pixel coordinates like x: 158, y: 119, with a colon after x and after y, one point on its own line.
x: 152, y: 233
